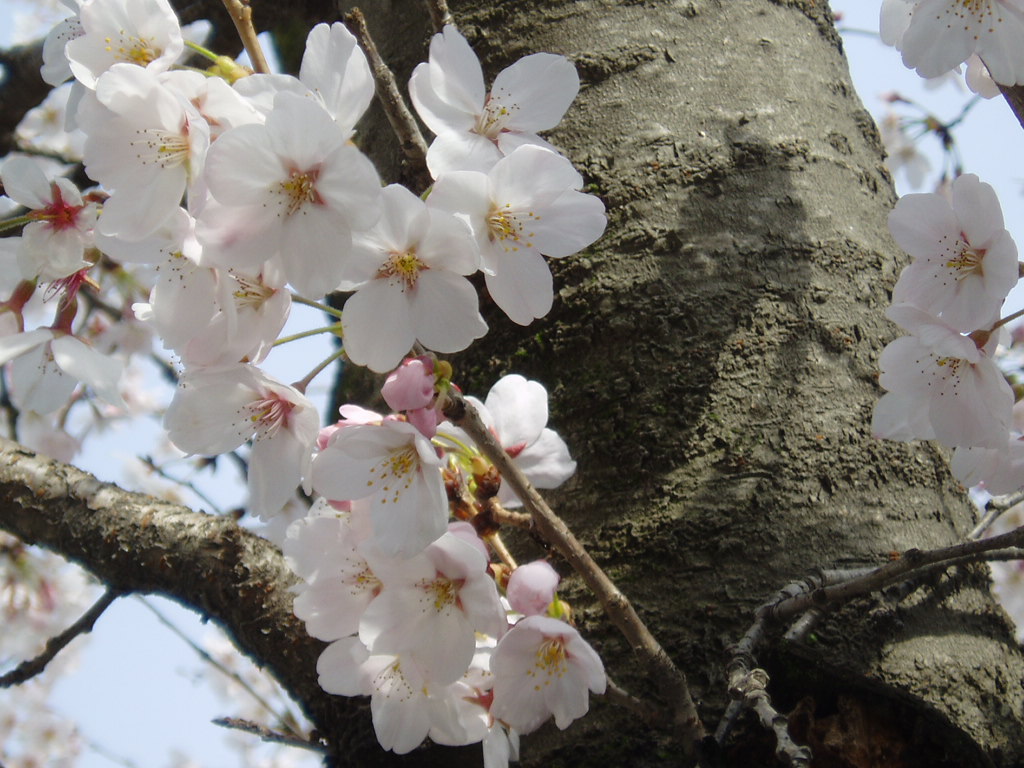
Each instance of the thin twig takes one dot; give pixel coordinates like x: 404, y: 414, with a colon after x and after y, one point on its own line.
x: 32, y: 667
x: 241, y: 15
x: 411, y: 140
x: 554, y: 530
x: 623, y: 698
x: 205, y: 656
x: 994, y: 509
x: 440, y: 16
x: 266, y: 734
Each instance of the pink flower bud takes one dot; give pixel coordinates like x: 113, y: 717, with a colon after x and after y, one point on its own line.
x: 531, y: 587
x: 425, y: 420
x: 410, y: 385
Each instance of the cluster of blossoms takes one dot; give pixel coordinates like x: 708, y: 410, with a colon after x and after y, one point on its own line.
x: 223, y: 197
x: 411, y: 602
x: 936, y: 36
x: 942, y: 379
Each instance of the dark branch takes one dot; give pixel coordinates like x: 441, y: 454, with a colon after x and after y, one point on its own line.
x: 32, y: 667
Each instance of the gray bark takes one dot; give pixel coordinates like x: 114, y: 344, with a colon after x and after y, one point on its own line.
x: 712, y: 363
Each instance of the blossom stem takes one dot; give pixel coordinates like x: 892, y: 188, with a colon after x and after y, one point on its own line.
x: 304, y: 382
x: 1004, y: 320
x: 17, y: 221
x: 335, y: 329
x: 241, y: 14
x: 316, y: 305
x: 495, y: 542
x: 659, y: 665
x: 206, y: 53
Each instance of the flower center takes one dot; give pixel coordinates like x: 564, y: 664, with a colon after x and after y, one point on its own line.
x: 59, y: 215
x: 509, y: 227
x: 395, y: 472
x: 969, y: 262
x: 494, y: 118
x: 252, y: 293
x: 133, y: 49
x: 162, y: 147
x: 442, y: 591
x: 269, y: 414
x: 300, y: 189
x: 405, y: 267
x: 550, y: 661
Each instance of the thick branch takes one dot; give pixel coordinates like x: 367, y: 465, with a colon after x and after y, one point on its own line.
x: 137, y: 543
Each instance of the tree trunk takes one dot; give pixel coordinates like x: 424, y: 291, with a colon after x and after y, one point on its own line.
x: 712, y: 363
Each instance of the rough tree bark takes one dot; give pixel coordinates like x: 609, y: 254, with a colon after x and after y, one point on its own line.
x: 712, y: 362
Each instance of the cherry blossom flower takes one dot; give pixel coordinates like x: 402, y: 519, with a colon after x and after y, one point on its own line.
x: 527, y: 205
x: 142, y: 33
x: 965, y: 262
x: 396, y: 466
x: 904, y: 154
x: 516, y: 411
x: 53, y: 244
x: 408, y: 277
x: 215, y: 410
x: 44, y: 127
x: 998, y: 470
x: 937, y: 35
x: 292, y: 189
x: 430, y: 610
x: 47, y: 364
x: 941, y: 386
x: 475, y: 129
x: 146, y: 144
x: 531, y: 587
x: 542, y: 667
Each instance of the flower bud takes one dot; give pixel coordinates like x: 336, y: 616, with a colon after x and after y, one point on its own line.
x: 531, y: 587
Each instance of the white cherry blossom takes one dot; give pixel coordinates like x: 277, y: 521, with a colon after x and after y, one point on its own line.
x: 293, y: 189
x: 474, y: 128
x: 542, y: 667
x: 395, y: 466
x: 526, y: 206
x: 965, y: 262
x: 942, y: 386
x: 215, y: 410
x: 408, y: 277
x: 936, y: 36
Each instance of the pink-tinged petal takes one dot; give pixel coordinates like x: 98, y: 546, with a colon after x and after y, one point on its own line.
x: 448, y: 244
x: 25, y: 183
x: 275, y: 470
x: 135, y: 213
x: 349, y: 185
x: 100, y: 372
x: 335, y: 68
x: 519, y: 408
x: 331, y: 608
x: 438, y: 115
x: 934, y: 49
x: 342, y: 668
x: 315, y: 244
x: 378, y: 326
x: 532, y: 177
x: 20, y: 343
x: 300, y: 130
x: 403, y: 221
x: 455, y: 72
x: 444, y: 312
x: 902, y: 416
x: 531, y: 587
x: 522, y: 286
x: 207, y: 415
x: 537, y: 90
x: 37, y: 383
x: 401, y: 724
x: 241, y: 167
x: 461, y: 151
x: 924, y: 226
x: 546, y: 461
x: 569, y: 224
x: 465, y: 194
x: 977, y: 207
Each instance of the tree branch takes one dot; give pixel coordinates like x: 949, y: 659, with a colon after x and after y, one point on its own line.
x: 137, y: 543
x: 32, y: 667
x: 660, y: 667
